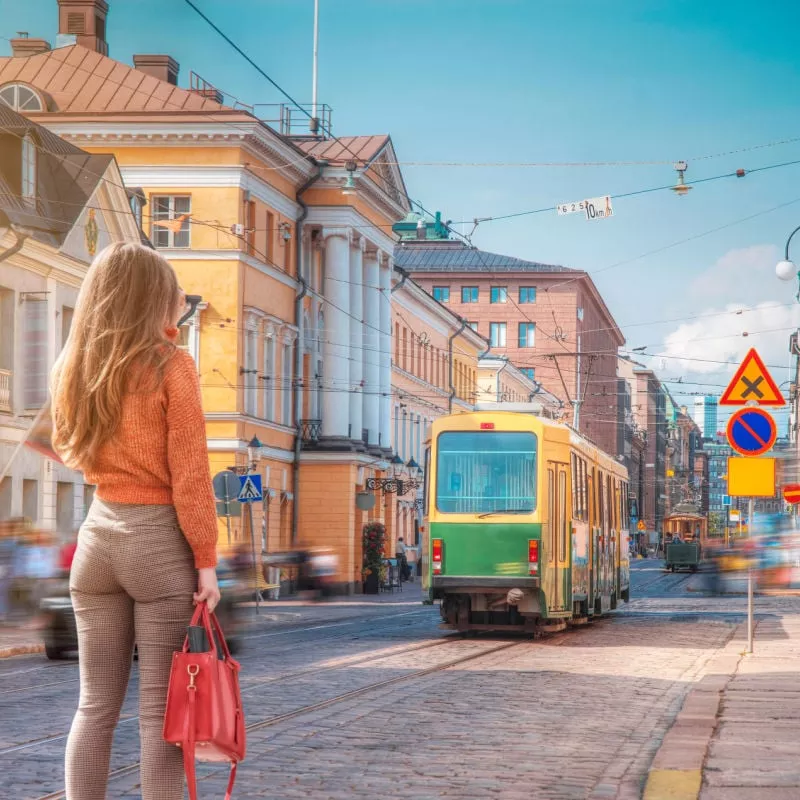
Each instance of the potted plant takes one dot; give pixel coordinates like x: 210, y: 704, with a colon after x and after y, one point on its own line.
x: 373, y: 542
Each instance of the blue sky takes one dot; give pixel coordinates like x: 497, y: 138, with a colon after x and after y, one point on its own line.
x: 523, y: 81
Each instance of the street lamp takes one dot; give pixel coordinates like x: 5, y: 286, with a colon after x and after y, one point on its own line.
x: 254, y: 451
x: 786, y: 270
x: 414, y: 470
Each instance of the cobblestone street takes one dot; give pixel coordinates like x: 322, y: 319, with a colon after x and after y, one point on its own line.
x: 365, y: 700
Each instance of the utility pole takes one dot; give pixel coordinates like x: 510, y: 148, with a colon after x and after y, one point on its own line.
x: 314, y: 121
x: 750, y: 514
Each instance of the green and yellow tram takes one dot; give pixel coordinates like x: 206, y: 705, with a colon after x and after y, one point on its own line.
x: 525, y: 526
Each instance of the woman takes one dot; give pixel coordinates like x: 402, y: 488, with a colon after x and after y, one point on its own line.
x: 126, y: 411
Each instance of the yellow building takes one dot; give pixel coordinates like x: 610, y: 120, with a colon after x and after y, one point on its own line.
x: 287, y: 240
x: 500, y: 383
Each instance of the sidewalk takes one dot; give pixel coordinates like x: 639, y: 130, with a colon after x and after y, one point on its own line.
x: 737, y: 736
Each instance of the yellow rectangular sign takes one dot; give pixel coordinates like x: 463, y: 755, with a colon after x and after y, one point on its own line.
x: 751, y: 477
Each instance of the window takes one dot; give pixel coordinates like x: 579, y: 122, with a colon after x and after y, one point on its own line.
x: 527, y: 294
x: 286, y: 389
x: 250, y: 228
x: 499, y: 294
x: 28, y: 168
x: 529, y: 372
x: 527, y: 334
x: 270, y: 236
x: 65, y: 507
x: 168, y: 207
x: 35, y: 353
x: 20, y: 98
x: 497, y: 334
x: 30, y: 499
x: 441, y: 293
x: 473, y: 325
x: 250, y: 371
x: 269, y: 378
x: 469, y: 294
x: 486, y: 472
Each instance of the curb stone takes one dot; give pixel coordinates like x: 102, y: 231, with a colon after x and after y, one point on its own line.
x: 677, y: 769
x: 21, y: 650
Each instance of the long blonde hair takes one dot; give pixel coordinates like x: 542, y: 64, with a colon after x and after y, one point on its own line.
x: 127, y: 300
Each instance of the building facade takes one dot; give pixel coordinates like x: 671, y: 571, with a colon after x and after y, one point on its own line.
x: 649, y: 409
x: 502, y: 384
x: 59, y: 205
x: 549, y: 321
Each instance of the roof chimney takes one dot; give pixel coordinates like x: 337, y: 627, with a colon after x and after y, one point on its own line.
x: 83, y: 22
x: 23, y: 46
x: 165, y: 68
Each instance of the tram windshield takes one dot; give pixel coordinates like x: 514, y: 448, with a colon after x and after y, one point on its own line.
x: 490, y: 472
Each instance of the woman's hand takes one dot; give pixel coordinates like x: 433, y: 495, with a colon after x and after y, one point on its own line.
x: 207, y: 587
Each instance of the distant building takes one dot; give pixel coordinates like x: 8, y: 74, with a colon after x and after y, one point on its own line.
x: 549, y: 321
x: 704, y: 413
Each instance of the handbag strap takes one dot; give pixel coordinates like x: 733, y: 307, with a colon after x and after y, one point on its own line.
x: 189, y: 742
x: 189, y: 746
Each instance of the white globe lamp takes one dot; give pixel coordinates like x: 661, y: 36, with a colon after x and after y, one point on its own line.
x: 786, y: 270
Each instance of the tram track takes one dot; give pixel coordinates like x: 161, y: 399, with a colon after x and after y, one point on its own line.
x: 321, y: 705
x: 251, y: 685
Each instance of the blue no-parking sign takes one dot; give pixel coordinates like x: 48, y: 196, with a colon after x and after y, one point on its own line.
x: 751, y: 431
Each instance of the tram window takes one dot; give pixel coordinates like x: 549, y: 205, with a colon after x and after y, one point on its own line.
x: 487, y: 472
x: 576, y: 509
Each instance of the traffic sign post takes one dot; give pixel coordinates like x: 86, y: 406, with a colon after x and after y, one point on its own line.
x: 751, y: 432
x: 250, y: 492
x: 226, y: 490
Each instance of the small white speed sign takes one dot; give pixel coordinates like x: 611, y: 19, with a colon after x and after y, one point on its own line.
x: 595, y: 208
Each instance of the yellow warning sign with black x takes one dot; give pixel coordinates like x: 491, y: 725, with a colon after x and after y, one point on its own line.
x: 752, y: 383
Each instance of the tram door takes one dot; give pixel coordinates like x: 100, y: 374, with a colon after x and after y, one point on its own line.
x: 560, y: 595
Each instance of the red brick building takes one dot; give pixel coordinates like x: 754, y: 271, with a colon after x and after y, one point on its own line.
x: 549, y: 321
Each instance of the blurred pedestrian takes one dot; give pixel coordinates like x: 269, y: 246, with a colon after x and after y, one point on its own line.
x: 126, y: 411
x: 402, y: 560
x: 6, y: 570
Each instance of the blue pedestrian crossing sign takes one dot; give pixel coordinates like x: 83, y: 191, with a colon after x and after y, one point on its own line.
x: 726, y: 499
x: 250, y: 491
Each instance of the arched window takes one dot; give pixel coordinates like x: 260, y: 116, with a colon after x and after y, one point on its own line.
x: 19, y: 97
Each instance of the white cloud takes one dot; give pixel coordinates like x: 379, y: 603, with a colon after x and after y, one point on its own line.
x: 726, y: 334
x: 748, y: 273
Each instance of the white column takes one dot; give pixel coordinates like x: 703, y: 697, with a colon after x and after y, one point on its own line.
x: 336, y: 345
x: 372, y: 347
x: 356, y: 338
x: 386, y: 352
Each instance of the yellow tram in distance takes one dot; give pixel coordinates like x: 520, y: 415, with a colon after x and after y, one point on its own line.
x: 526, y: 523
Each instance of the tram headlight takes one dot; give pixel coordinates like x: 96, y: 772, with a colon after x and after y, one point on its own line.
x: 437, y: 551
x: 533, y: 556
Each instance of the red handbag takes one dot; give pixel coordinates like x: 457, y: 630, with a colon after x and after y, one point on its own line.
x: 204, y: 713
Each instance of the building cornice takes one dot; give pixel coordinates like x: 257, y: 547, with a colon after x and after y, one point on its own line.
x: 155, y: 176
x: 347, y: 216
x: 251, y: 134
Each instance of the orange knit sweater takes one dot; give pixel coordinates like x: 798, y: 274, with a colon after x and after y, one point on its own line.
x: 159, y: 456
